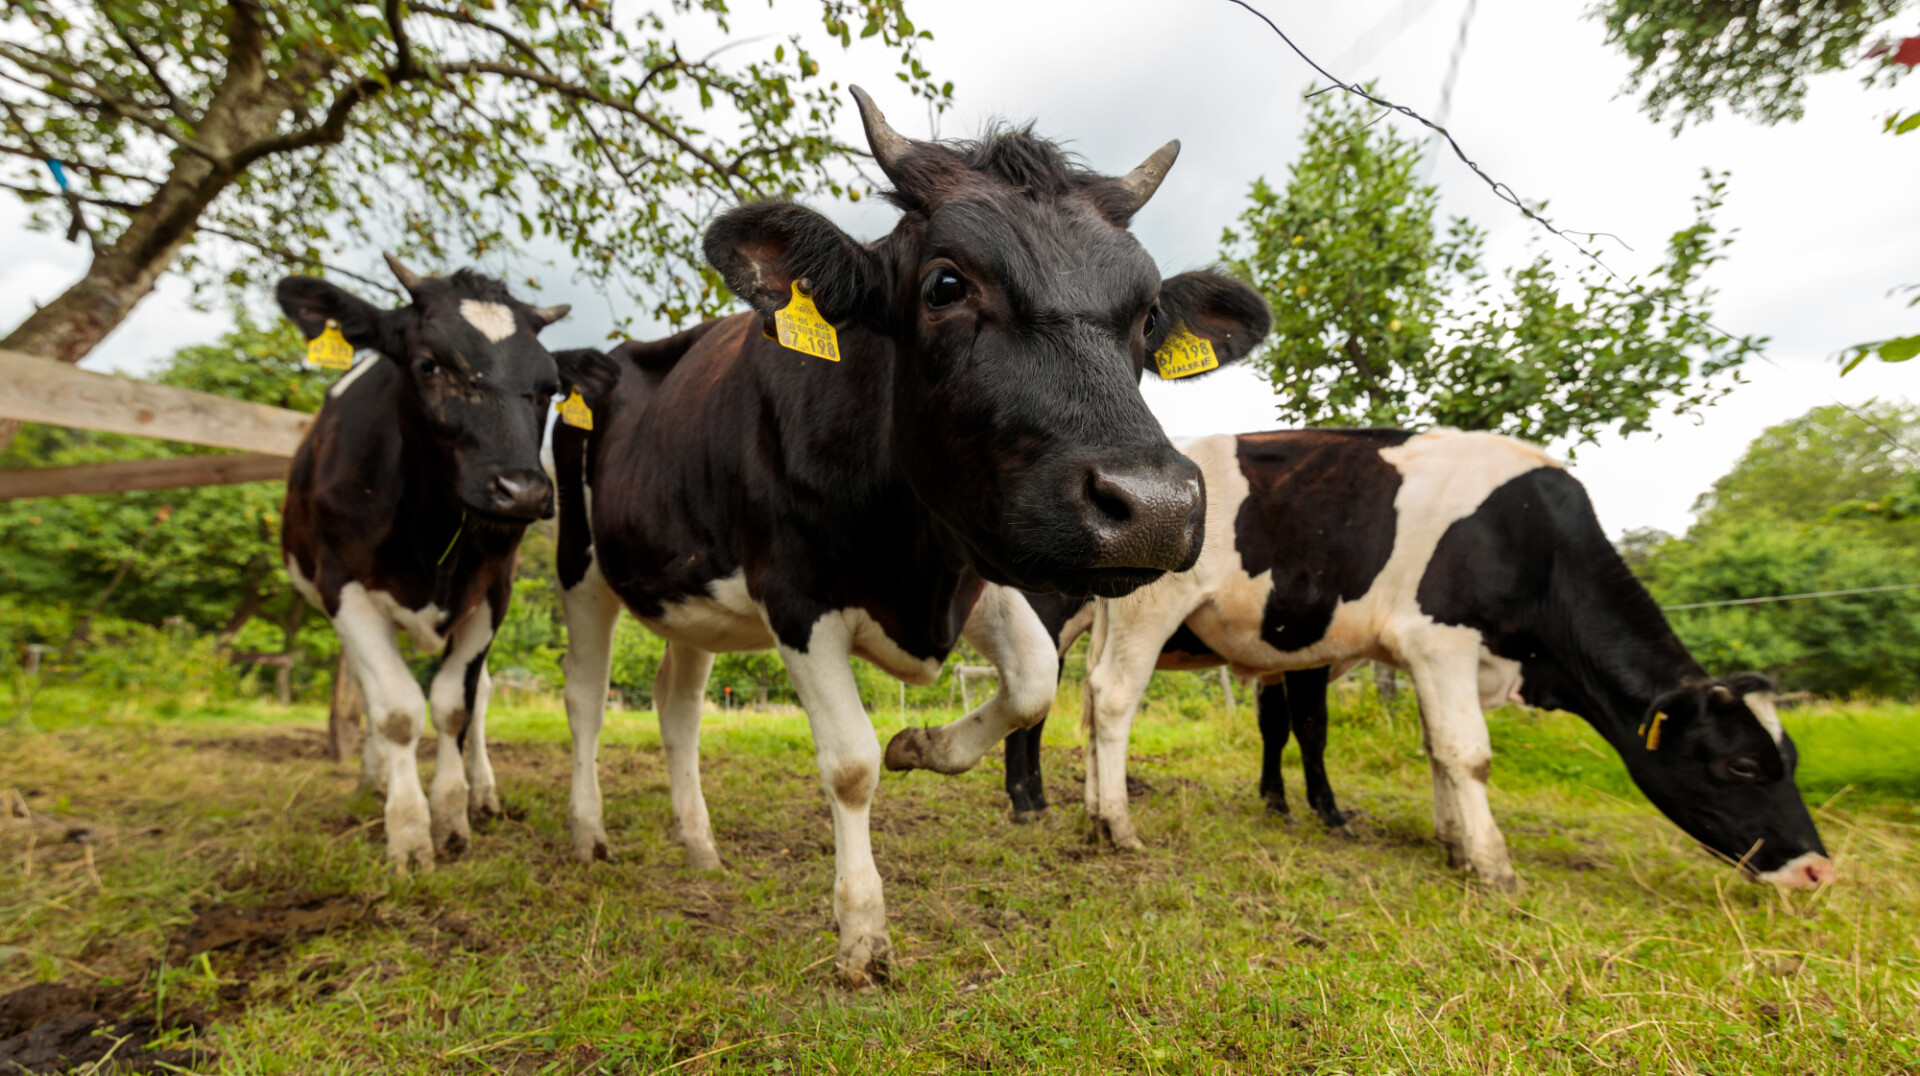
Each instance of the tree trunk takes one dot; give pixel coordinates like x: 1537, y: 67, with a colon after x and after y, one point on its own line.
x: 247, y: 107
x: 343, y: 717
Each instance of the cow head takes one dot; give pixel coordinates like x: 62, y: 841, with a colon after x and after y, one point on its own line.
x: 475, y: 379
x: 1021, y: 313
x: 1714, y: 758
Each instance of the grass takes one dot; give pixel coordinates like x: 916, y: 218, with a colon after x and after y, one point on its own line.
x: 1236, y: 943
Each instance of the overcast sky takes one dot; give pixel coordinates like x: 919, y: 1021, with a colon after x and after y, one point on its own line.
x: 1824, y: 207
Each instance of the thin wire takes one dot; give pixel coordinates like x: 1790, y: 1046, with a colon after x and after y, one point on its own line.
x: 1509, y: 196
x: 1793, y: 597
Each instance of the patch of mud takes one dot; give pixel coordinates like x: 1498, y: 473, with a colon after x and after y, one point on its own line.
x: 295, y: 745
x: 265, y: 929
x: 53, y: 1027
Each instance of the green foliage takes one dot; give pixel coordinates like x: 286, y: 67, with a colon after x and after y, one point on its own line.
x: 210, y: 555
x: 1379, y: 320
x: 1768, y: 528
x: 463, y: 129
x: 1754, y: 56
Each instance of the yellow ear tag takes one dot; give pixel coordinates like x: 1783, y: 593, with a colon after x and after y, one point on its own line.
x: 801, y: 327
x: 1651, y: 730
x: 575, y: 412
x: 1185, y: 354
x: 330, y: 350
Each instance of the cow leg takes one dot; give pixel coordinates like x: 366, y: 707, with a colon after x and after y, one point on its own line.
x: 1128, y: 635
x: 848, y: 754
x: 1307, y: 707
x: 1275, y: 725
x: 591, y: 609
x: 1444, y: 662
x: 678, y: 690
x: 373, y: 753
x: 396, y: 713
x: 483, y: 793
x: 455, y: 687
x: 1007, y: 632
x: 1017, y: 761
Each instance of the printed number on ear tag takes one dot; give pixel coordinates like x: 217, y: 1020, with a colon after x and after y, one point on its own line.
x: 801, y: 327
x: 1184, y: 354
x: 575, y: 412
x: 330, y: 350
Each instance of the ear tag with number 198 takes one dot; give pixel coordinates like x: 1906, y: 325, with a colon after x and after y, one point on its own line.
x: 1185, y: 354
x: 799, y: 326
x: 330, y: 350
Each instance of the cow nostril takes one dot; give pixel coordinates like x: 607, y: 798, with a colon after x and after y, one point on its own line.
x: 1818, y: 872
x: 1109, y: 498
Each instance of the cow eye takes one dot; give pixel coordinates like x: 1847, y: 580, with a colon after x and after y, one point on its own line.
x: 1745, y: 769
x: 1153, y: 320
x: 425, y: 366
x: 944, y: 288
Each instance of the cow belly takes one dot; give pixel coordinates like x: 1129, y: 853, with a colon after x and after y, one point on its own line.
x: 726, y: 621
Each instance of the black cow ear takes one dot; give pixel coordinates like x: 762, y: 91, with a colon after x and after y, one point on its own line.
x: 1219, y: 309
x: 588, y: 370
x: 310, y: 303
x: 760, y: 250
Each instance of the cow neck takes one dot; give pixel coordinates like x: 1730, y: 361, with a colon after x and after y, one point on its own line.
x: 1616, y: 652
x: 443, y: 540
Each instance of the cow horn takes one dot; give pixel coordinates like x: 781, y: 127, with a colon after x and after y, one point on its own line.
x: 888, y: 145
x: 1721, y: 693
x: 409, y: 279
x: 547, y: 315
x: 1144, y: 180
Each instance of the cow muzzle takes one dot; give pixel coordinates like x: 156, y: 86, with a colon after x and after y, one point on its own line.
x: 519, y: 495
x: 1144, y: 516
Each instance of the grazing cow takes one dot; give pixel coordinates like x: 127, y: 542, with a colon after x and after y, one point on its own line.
x: 1475, y: 563
x: 983, y: 425
x: 405, y: 506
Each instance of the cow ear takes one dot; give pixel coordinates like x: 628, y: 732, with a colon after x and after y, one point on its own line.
x: 1223, y: 311
x: 760, y: 250
x: 310, y: 303
x: 588, y: 370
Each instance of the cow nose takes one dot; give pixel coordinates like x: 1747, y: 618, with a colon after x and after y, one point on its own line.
x: 522, y: 496
x: 1142, y: 516
x: 1810, y: 870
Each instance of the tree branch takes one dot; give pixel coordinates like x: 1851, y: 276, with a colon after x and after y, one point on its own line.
x: 148, y: 62
x: 34, y: 152
x: 127, y: 110
x: 288, y: 257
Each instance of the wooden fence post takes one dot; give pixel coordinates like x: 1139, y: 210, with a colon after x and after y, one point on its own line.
x: 343, y: 717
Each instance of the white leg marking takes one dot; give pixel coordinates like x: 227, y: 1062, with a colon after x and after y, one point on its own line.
x: 483, y: 794
x: 591, y: 609
x: 849, y: 757
x: 678, y: 690
x: 1444, y: 662
x: 448, y: 798
x: 1008, y: 633
x: 1129, y: 634
x: 396, y: 712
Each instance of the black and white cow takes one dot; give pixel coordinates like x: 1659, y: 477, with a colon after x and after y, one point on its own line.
x: 1474, y: 562
x: 405, y: 507
x: 983, y: 426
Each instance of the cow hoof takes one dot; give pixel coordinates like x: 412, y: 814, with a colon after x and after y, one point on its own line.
x: 703, y: 859
x: 1505, y: 881
x: 484, y: 806
x: 1344, y: 830
x: 591, y: 845
x: 1030, y: 816
x: 1278, y: 808
x: 910, y: 749
x: 863, y: 965
x: 404, y: 860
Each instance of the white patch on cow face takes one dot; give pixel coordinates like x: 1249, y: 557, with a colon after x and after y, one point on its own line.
x: 493, y: 320
x: 360, y: 367
x: 1761, y: 703
x: 726, y: 621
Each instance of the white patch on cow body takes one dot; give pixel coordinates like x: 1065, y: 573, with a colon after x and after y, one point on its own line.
x: 1762, y: 705
x: 726, y: 621
x: 425, y: 625
x: 396, y: 714
x: 302, y: 585
x: 493, y: 320
x: 367, y: 360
